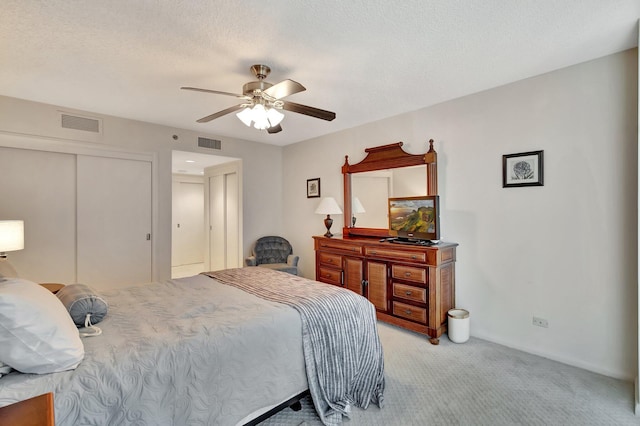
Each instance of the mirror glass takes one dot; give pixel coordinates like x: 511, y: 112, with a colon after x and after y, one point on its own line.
x: 371, y: 191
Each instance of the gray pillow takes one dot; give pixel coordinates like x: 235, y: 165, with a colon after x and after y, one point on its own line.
x: 80, y: 301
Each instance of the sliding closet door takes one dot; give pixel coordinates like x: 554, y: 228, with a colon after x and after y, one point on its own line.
x: 223, y: 212
x: 39, y: 187
x: 114, y: 221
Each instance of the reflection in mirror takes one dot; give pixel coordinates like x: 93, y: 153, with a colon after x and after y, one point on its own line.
x: 373, y: 189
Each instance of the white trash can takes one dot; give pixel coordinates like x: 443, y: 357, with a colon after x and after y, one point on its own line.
x: 458, y: 325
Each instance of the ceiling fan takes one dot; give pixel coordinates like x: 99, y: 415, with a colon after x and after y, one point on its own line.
x: 262, y: 102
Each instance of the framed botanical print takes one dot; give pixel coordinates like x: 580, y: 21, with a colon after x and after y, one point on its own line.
x: 523, y: 169
x: 313, y: 188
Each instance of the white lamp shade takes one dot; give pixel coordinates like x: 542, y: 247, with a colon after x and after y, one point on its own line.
x: 357, y: 206
x: 11, y: 235
x: 328, y: 205
x: 261, y: 117
x: 246, y: 116
x: 274, y: 116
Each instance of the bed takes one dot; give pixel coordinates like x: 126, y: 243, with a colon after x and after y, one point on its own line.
x: 222, y: 348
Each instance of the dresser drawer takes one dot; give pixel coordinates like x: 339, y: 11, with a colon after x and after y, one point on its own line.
x: 409, y: 273
x: 330, y: 259
x: 330, y: 276
x: 338, y: 245
x: 394, y: 254
x: 410, y: 312
x: 410, y: 292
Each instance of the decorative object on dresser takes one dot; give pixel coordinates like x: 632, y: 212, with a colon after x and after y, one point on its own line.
x: 357, y: 208
x: 523, y: 169
x: 11, y: 239
x: 412, y: 285
x: 328, y: 206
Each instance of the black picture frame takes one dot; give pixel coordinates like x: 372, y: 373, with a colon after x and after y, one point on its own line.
x: 523, y: 169
x: 313, y: 188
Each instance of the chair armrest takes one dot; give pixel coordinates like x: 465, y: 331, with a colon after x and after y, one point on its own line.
x: 251, y: 261
x: 292, y: 260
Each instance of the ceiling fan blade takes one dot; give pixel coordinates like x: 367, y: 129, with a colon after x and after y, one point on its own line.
x: 217, y: 92
x: 274, y: 129
x: 310, y: 111
x: 220, y: 113
x: 285, y: 88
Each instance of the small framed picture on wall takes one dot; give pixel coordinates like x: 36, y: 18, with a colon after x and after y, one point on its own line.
x: 313, y: 188
x: 523, y: 169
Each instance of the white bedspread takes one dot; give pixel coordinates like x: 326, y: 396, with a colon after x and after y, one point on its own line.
x: 185, y: 352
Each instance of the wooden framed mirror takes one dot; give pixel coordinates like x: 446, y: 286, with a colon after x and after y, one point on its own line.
x: 386, y: 171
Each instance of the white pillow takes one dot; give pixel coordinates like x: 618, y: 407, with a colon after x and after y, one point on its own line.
x: 37, y: 335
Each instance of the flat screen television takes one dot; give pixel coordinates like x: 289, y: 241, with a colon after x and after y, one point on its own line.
x: 415, y: 218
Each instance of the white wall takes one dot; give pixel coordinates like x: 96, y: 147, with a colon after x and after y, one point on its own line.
x: 262, y: 164
x: 565, y: 251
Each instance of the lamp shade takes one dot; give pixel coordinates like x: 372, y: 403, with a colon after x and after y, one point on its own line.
x: 261, y: 117
x: 11, y: 235
x: 357, y: 206
x: 328, y: 205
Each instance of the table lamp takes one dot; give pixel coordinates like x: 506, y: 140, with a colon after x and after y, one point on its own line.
x: 328, y: 206
x: 356, y: 208
x: 11, y: 239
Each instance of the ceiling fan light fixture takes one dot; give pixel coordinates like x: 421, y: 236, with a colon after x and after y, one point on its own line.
x: 246, y: 116
x: 275, y: 117
x: 261, y: 117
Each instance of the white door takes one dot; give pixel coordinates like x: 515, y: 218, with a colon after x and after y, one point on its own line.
x: 39, y: 187
x: 113, y: 222
x: 187, y: 245
x: 223, y: 212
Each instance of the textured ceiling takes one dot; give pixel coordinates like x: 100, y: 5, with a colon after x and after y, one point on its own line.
x: 363, y: 59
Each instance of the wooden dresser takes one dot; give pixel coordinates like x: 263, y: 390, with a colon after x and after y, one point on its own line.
x: 411, y: 286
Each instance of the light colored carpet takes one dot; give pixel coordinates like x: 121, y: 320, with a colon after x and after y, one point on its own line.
x: 480, y: 383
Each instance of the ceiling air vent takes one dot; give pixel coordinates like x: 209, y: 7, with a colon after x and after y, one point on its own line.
x: 80, y: 123
x: 209, y: 143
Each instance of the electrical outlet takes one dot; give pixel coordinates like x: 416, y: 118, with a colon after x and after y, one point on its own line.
x: 540, y: 322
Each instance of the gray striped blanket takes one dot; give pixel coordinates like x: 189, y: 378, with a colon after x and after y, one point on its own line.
x: 342, y: 350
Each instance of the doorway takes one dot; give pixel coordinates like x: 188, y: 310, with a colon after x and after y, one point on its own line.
x: 190, y: 236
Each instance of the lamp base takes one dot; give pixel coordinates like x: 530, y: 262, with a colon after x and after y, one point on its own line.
x: 328, y: 222
x: 6, y: 269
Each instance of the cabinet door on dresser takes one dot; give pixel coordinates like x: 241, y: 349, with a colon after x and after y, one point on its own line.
x: 353, y: 274
x: 377, y: 284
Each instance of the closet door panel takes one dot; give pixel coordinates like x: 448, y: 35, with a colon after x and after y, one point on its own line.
x: 188, y: 228
x: 39, y: 187
x: 114, y: 219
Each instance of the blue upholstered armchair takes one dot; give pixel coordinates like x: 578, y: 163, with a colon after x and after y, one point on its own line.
x: 274, y: 253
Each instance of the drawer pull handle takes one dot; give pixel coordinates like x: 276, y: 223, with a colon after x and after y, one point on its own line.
x: 328, y: 276
x: 414, y: 257
x: 353, y: 249
x: 330, y: 261
x: 408, y: 293
x: 374, y: 252
x: 407, y: 311
x: 407, y: 274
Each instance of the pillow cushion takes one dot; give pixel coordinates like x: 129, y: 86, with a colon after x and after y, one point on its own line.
x: 4, y: 369
x: 81, y: 301
x: 36, y: 333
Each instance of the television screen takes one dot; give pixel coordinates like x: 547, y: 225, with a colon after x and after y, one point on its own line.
x: 415, y: 217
